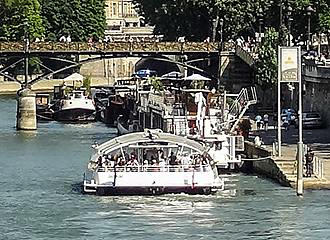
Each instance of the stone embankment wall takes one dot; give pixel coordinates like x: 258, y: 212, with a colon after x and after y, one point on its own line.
x: 10, y: 87
x: 317, y: 89
x: 266, y: 165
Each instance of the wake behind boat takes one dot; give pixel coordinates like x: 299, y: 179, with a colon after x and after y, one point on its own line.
x: 151, y: 163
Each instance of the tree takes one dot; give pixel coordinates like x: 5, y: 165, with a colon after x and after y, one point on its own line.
x: 20, y: 18
x: 80, y: 19
x: 266, y: 63
x: 194, y: 18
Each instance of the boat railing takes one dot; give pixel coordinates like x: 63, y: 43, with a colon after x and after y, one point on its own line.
x: 147, y: 168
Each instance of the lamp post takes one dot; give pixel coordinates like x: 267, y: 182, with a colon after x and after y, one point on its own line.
x: 289, y: 11
x: 289, y: 31
x: 26, y: 52
x: 214, y: 29
x: 220, y: 50
x: 260, y: 13
x: 281, y: 18
x: 221, y: 28
x: 309, y: 11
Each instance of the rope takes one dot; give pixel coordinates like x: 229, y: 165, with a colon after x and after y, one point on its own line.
x: 256, y: 159
x: 43, y: 117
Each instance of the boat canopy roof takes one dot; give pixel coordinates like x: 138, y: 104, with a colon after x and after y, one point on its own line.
x: 152, y: 137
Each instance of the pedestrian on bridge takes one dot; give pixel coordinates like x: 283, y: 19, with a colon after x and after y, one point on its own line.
x: 63, y: 39
x: 68, y: 39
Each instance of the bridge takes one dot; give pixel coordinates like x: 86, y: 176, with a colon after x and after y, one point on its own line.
x: 194, y: 52
x: 22, y: 51
x: 112, y: 48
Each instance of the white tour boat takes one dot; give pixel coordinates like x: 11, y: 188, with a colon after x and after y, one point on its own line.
x: 151, y: 163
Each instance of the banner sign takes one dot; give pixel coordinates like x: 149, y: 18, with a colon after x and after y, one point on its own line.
x: 289, y: 64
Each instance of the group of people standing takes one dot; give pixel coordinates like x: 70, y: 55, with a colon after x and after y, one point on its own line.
x: 262, y: 122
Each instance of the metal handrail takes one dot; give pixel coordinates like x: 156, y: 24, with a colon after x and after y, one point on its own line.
x: 147, y: 168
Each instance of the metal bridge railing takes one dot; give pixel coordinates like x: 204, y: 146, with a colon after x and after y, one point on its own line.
x: 115, y: 47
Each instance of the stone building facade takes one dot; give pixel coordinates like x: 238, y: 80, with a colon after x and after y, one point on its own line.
x: 123, y: 24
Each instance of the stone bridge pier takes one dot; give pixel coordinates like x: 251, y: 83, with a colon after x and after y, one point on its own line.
x: 26, y: 118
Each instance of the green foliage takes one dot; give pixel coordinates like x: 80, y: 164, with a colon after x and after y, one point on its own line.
x: 81, y: 19
x: 267, y: 60
x: 194, y: 18
x: 87, y: 83
x: 197, y: 84
x: 157, y: 84
x: 34, y: 65
x: 20, y: 18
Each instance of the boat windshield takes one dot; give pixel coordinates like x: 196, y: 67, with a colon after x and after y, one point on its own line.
x: 78, y: 95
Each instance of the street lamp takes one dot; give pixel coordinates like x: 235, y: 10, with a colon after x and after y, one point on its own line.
x: 214, y: 29
x: 309, y: 11
x: 289, y: 30
x: 221, y: 27
x: 289, y: 11
x: 220, y: 50
x: 26, y: 52
x: 260, y: 14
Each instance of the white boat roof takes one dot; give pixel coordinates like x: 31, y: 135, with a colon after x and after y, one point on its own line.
x: 144, y: 137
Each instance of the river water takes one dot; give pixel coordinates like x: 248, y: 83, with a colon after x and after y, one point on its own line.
x: 40, y: 198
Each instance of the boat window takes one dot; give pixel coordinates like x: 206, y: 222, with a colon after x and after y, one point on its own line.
x: 78, y: 95
x: 312, y: 115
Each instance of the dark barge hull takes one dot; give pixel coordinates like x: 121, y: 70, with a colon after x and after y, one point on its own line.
x: 115, y: 191
x: 75, y: 115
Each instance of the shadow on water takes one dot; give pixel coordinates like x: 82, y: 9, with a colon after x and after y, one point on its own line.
x: 77, y: 188
x: 249, y: 192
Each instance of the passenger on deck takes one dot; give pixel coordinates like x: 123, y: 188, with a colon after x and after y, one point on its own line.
x: 133, y: 160
x: 173, y: 159
x: 161, y: 155
x: 121, y: 161
x: 99, y: 161
x: 185, y: 159
x: 105, y: 160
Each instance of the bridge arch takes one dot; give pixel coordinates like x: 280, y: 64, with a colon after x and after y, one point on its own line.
x: 162, y: 67
x: 166, y: 65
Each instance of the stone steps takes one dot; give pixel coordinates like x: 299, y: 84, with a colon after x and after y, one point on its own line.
x: 288, y: 168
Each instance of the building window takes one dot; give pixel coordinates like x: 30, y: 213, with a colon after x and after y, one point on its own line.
x: 114, y: 9
x: 125, y: 10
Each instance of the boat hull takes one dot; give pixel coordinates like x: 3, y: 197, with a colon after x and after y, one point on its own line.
x: 75, y: 115
x: 157, y: 181
x: 152, y: 190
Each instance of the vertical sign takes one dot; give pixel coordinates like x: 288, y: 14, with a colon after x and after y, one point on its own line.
x: 289, y: 70
x: 289, y: 64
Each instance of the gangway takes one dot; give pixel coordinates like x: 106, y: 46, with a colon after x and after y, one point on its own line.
x: 241, y: 104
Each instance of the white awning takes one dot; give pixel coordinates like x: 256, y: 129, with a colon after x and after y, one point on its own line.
x: 196, y: 77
